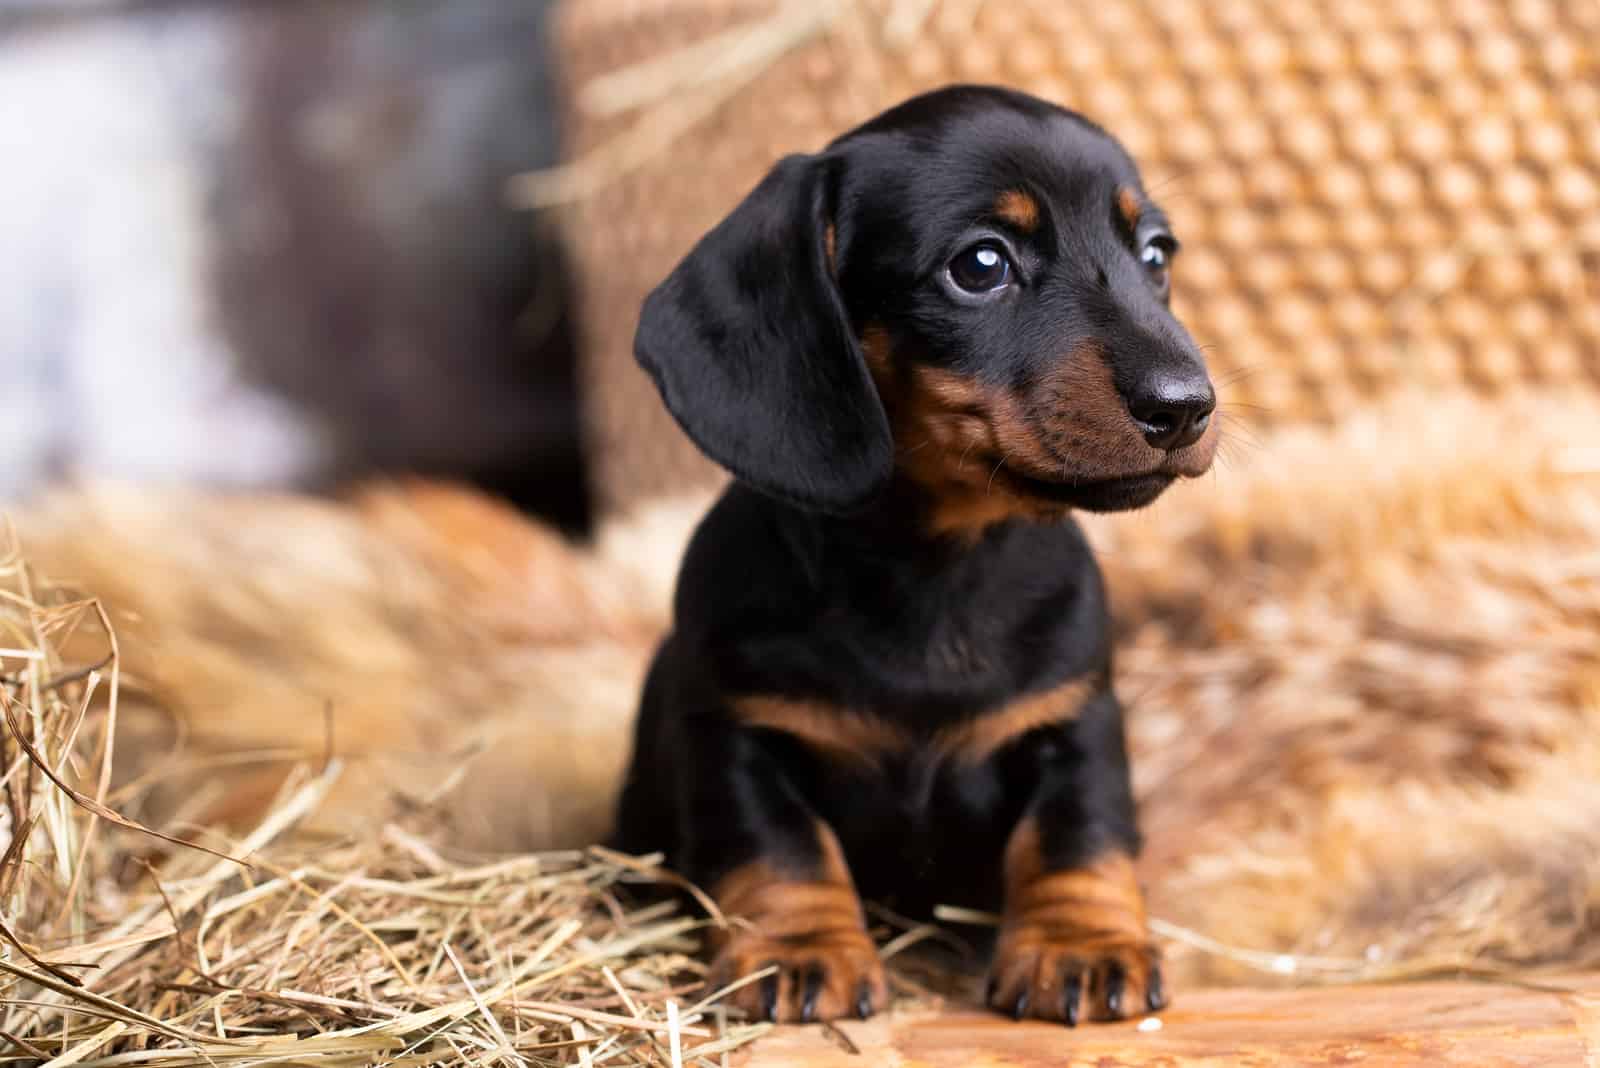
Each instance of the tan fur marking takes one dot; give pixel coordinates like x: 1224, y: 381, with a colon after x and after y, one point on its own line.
x: 1101, y: 440
x: 830, y: 242
x: 840, y: 734
x: 878, y: 350
x: 805, y: 923
x: 1082, y: 921
x: 946, y: 433
x: 1083, y: 381
x: 1099, y: 900
x: 962, y: 441
x: 1019, y: 208
x: 850, y: 736
x: 1130, y: 205
x: 982, y: 737
x: 780, y: 905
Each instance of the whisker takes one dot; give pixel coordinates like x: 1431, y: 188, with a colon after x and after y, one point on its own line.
x: 1237, y: 450
x: 1168, y: 179
x: 1176, y: 196
x: 1235, y: 374
x: 1242, y: 414
x: 987, y: 489
x: 1239, y: 436
x: 1231, y: 410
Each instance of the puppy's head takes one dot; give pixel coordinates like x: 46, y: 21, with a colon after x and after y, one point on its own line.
x: 967, y: 296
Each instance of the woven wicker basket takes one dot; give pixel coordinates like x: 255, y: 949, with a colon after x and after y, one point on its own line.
x: 1370, y: 193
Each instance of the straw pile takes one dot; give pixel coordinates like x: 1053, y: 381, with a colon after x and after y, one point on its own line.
x: 123, y: 945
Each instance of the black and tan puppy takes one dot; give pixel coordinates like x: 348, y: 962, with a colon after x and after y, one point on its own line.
x: 918, y: 351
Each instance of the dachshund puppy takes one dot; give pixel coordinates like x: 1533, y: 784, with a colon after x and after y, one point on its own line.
x: 918, y: 351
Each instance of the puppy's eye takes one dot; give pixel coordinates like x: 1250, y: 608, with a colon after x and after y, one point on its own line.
x: 983, y: 268
x: 1157, y: 259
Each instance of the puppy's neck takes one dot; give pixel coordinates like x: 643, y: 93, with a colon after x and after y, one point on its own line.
x: 908, y: 525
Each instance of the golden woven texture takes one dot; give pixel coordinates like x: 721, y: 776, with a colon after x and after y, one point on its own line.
x: 1371, y: 194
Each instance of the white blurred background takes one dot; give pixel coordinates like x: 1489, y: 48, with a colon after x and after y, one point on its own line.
x: 265, y: 243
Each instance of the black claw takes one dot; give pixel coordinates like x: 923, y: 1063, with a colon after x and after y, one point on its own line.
x: 1020, y: 1009
x: 1071, y: 996
x: 808, y: 999
x: 1156, y: 995
x: 769, y: 997
x: 864, y: 1001
x: 1116, y: 979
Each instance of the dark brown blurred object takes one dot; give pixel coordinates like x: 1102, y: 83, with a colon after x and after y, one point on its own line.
x: 1371, y: 195
x: 267, y: 244
x: 368, y: 264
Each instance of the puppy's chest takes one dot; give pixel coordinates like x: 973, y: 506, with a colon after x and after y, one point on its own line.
x: 956, y: 651
x: 919, y: 823
x: 897, y: 692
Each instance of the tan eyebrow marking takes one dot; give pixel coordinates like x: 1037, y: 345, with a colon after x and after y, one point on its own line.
x: 1019, y: 208
x: 1130, y: 205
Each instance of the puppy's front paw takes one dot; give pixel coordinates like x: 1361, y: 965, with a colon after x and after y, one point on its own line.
x: 813, y: 930
x: 1055, y: 976
x: 1074, y: 943
x: 822, y: 975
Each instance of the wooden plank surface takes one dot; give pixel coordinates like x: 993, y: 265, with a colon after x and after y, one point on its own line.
x: 1479, y: 1024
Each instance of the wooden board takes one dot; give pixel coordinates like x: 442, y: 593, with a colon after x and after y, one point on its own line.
x: 1479, y: 1024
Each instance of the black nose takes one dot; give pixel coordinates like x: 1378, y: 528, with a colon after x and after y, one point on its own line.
x: 1172, y: 410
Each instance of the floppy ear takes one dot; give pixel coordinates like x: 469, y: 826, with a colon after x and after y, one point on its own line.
x: 749, y: 343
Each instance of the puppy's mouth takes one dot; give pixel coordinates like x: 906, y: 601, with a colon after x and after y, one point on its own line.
x: 1113, y: 493
x: 1118, y: 494
x: 1110, y: 491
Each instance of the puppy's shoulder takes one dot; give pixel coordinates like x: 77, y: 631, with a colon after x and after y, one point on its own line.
x: 747, y: 562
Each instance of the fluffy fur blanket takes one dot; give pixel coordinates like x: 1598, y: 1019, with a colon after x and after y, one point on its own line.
x: 1362, y: 663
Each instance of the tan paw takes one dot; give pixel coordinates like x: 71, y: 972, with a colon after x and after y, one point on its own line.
x: 822, y: 976
x: 1066, y: 980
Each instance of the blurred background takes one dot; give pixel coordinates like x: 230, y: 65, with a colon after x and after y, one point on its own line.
x: 287, y: 244
x: 267, y: 245
x: 271, y: 247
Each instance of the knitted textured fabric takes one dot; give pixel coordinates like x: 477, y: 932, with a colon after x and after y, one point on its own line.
x: 1371, y: 195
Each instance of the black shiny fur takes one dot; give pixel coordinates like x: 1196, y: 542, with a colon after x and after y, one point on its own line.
x: 865, y: 613
x: 815, y: 575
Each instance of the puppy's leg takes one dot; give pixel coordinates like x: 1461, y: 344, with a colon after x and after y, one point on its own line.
x: 1073, y: 940
x: 779, y: 875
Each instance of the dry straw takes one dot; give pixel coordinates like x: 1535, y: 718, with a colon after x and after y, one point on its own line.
x: 120, y: 945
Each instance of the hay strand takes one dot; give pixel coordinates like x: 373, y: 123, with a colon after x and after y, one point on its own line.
x: 138, y: 946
